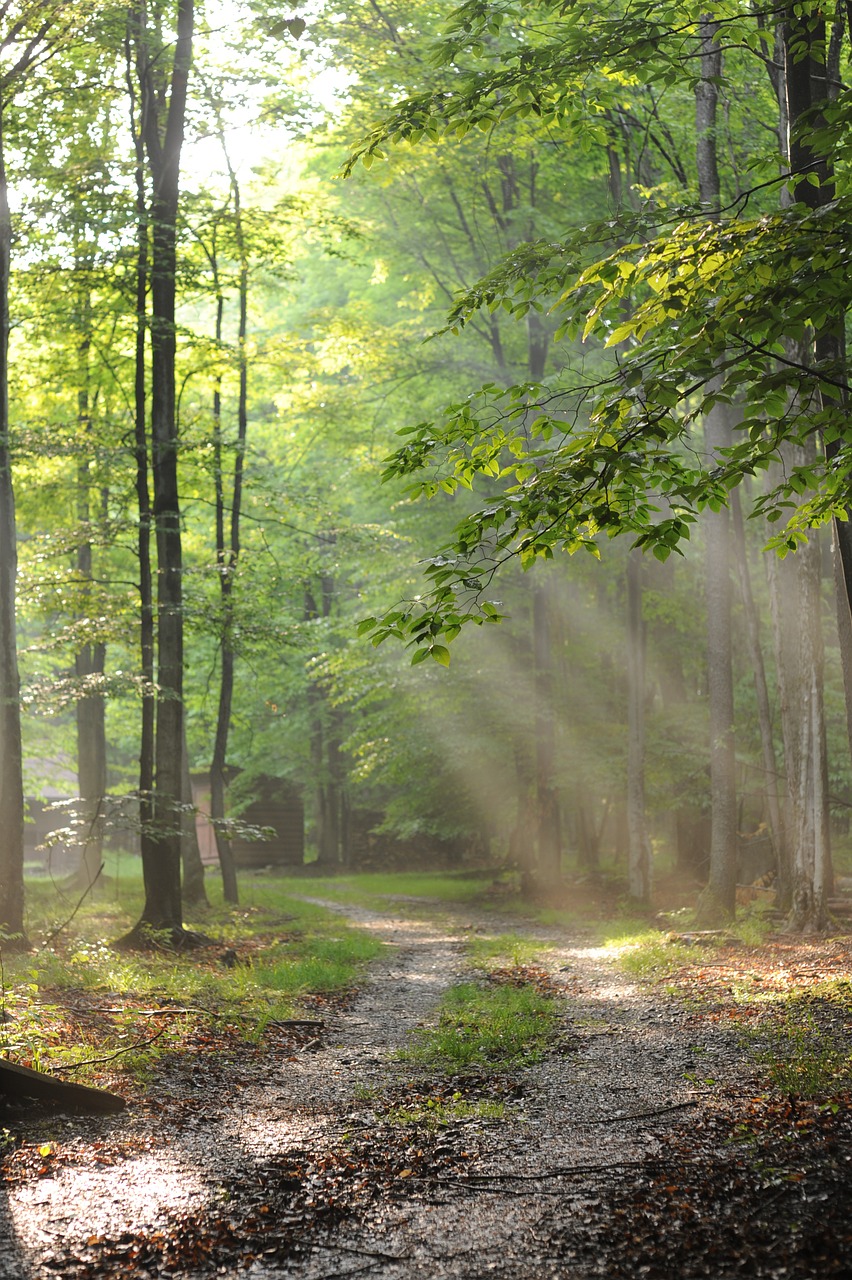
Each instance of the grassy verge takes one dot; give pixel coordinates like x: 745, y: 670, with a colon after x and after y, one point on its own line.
x: 74, y: 1000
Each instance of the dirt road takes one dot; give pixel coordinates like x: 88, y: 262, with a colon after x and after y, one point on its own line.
x: 617, y: 1155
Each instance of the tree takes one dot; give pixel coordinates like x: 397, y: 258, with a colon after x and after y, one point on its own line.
x: 713, y: 305
x: 30, y: 34
x: 162, y: 131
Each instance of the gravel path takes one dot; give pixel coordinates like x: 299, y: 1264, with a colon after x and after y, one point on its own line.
x: 630, y: 1072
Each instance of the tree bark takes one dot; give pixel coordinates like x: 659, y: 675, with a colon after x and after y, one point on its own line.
x: 194, y: 892
x: 638, y: 843
x: 548, y: 827
x: 227, y: 555
x: 718, y: 900
x: 764, y: 712
x: 161, y: 855
x: 11, y: 764
x: 90, y: 660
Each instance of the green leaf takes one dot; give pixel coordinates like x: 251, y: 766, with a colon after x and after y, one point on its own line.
x: 294, y: 27
x: 441, y: 654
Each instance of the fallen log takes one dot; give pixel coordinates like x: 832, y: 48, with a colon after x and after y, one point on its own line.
x: 23, y: 1082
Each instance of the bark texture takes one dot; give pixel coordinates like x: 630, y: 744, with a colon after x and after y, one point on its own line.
x: 11, y: 782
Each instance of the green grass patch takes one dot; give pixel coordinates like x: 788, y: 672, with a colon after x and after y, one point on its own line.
x: 650, y: 954
x: 436, y: 1113
x: 802, y: 1057
x: 486, y: 1028
x: 393, y: 889
x: 505, y: 949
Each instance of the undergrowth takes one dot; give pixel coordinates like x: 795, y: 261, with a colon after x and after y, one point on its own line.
x: 74, y: 999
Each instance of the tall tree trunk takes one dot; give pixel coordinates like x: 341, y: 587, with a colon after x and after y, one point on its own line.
x: 638, y: 844
x: 194, y: 892
x: 143, y: 497
x: 11, y: 764
x: 227, y: 556
x: 548, y: 827
x: 218, y: 765
x: 806, y: 84
x: 764, y: 712
x: 90, y: 660
x: 331, y: 804
x: 161, y: 861
x: 718, y: 900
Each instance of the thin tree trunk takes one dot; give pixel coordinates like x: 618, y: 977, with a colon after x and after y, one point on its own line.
x: 227, y: 556
x: 11, y: 764
x: 638, y: 843
x: 719, y: 898
x: 218, y: 780
x: 764, y: 712
x: 162, y: 857
x: 194, y: 892
x: 143, y: 497
x: 549, y: 836
x: 90, y: 660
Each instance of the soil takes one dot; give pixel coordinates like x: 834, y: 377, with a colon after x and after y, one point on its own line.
x: 646, y: 1144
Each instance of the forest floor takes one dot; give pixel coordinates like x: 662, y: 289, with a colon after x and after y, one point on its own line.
x: 698, y: 1126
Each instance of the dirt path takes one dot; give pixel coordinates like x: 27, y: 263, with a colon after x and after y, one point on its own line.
x: 295, y: 1169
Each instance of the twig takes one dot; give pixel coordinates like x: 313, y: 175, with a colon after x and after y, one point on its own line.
x: 59, y: 928
x: 561, y: 1171
x: 295, y: 1022
x: 644, y: 1115
x: 95, y: 1062
x: 151, y: 1013
x: 363, y: 1253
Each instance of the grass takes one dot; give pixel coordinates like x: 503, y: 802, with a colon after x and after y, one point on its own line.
x: 285, y: 951
x: 650, y: 954
x: 801, y: 1059
x: 505, y: 949
x: 485, y: 1028
x: 435, y: 1113
x: 377, y: 890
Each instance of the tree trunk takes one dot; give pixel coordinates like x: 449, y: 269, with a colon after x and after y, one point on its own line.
x: 161, y: 855
x: 143, y: 497
x: 218, y: 781
x: 764, y: 713
x: 11, y: 764
x: 331, y: 806
x: 194, y: 892
x: 718, y: 900
x: 548, y: 832
x: 90, y: 661
x: 638, y: 843
x: 227, y: 557
x: 806, y: 875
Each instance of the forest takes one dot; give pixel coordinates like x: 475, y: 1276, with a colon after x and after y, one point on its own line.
x: 271, y: 283
x: 425, y: 637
